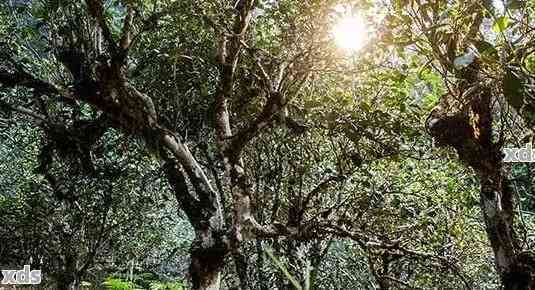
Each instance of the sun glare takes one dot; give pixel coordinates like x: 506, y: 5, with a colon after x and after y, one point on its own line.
x: 350, y: 33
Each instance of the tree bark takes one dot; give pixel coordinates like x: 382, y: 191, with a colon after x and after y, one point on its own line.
x: 515, y: 266
x: 208, y: 253
x: 469, y: 130
x: 242, y: 265
x: 209, y: 247
x: 68, y: 277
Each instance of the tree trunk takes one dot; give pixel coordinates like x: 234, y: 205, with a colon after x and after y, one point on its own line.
x: 515, y: 267
x: 210, y: 246
x: 65, y: 283
x: 208, y: 253
x: 242, y: 264
x: 68, y: 278
x: 471, y: 134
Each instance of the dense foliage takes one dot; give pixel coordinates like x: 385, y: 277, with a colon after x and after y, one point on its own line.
x: 162, y: 144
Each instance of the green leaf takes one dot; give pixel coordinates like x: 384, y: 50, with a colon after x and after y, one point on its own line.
x: 365, y: 106
x: 515, y: 4
x: 501, y: 24
x: 402, y: 107
x: 513, y: 90
x: 529, y: 63
x: 486, y: 49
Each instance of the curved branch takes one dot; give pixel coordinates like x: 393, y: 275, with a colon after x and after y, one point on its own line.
x: 24, y: 79
x: 24, y: 111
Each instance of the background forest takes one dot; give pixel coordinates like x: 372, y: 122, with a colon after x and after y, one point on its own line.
x: 267, y: 144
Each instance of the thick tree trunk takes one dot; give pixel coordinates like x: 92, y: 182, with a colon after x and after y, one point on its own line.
x: 515, y: 267
x: 471, y: 134
x: 68, y: 278
x: 208, y: 253
x: 65, y: 283
x: 210, y: 246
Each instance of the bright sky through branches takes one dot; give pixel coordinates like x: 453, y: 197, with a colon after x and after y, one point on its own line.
x: 350, y: 33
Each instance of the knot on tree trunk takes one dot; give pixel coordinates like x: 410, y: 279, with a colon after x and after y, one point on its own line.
x: 455, y: 130
x: 465, y: 123
x: 449, y: 130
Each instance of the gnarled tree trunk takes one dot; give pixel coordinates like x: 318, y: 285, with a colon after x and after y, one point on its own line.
x: 467, y: 127
x: 515, y: 266
x: 209, y: 248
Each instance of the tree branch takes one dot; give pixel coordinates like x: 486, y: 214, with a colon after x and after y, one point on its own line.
x: 24, y: 111
x: 96, y: 10
x: 23, y: 79
x: 126, y: 38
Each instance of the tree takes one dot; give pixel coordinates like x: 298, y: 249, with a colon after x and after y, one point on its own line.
x: 272, y: 137
x: 478, y: 97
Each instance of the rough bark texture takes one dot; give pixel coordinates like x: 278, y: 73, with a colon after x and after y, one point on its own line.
x: 207, y: 252
x: 103, y: 83
x: 467, y: 127
x: 209, y: 248
x: 134, y: 113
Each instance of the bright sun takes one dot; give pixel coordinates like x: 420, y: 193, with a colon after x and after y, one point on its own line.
x: 350, y: 33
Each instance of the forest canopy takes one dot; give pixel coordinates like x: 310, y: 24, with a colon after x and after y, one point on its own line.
x: 268, y: 144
